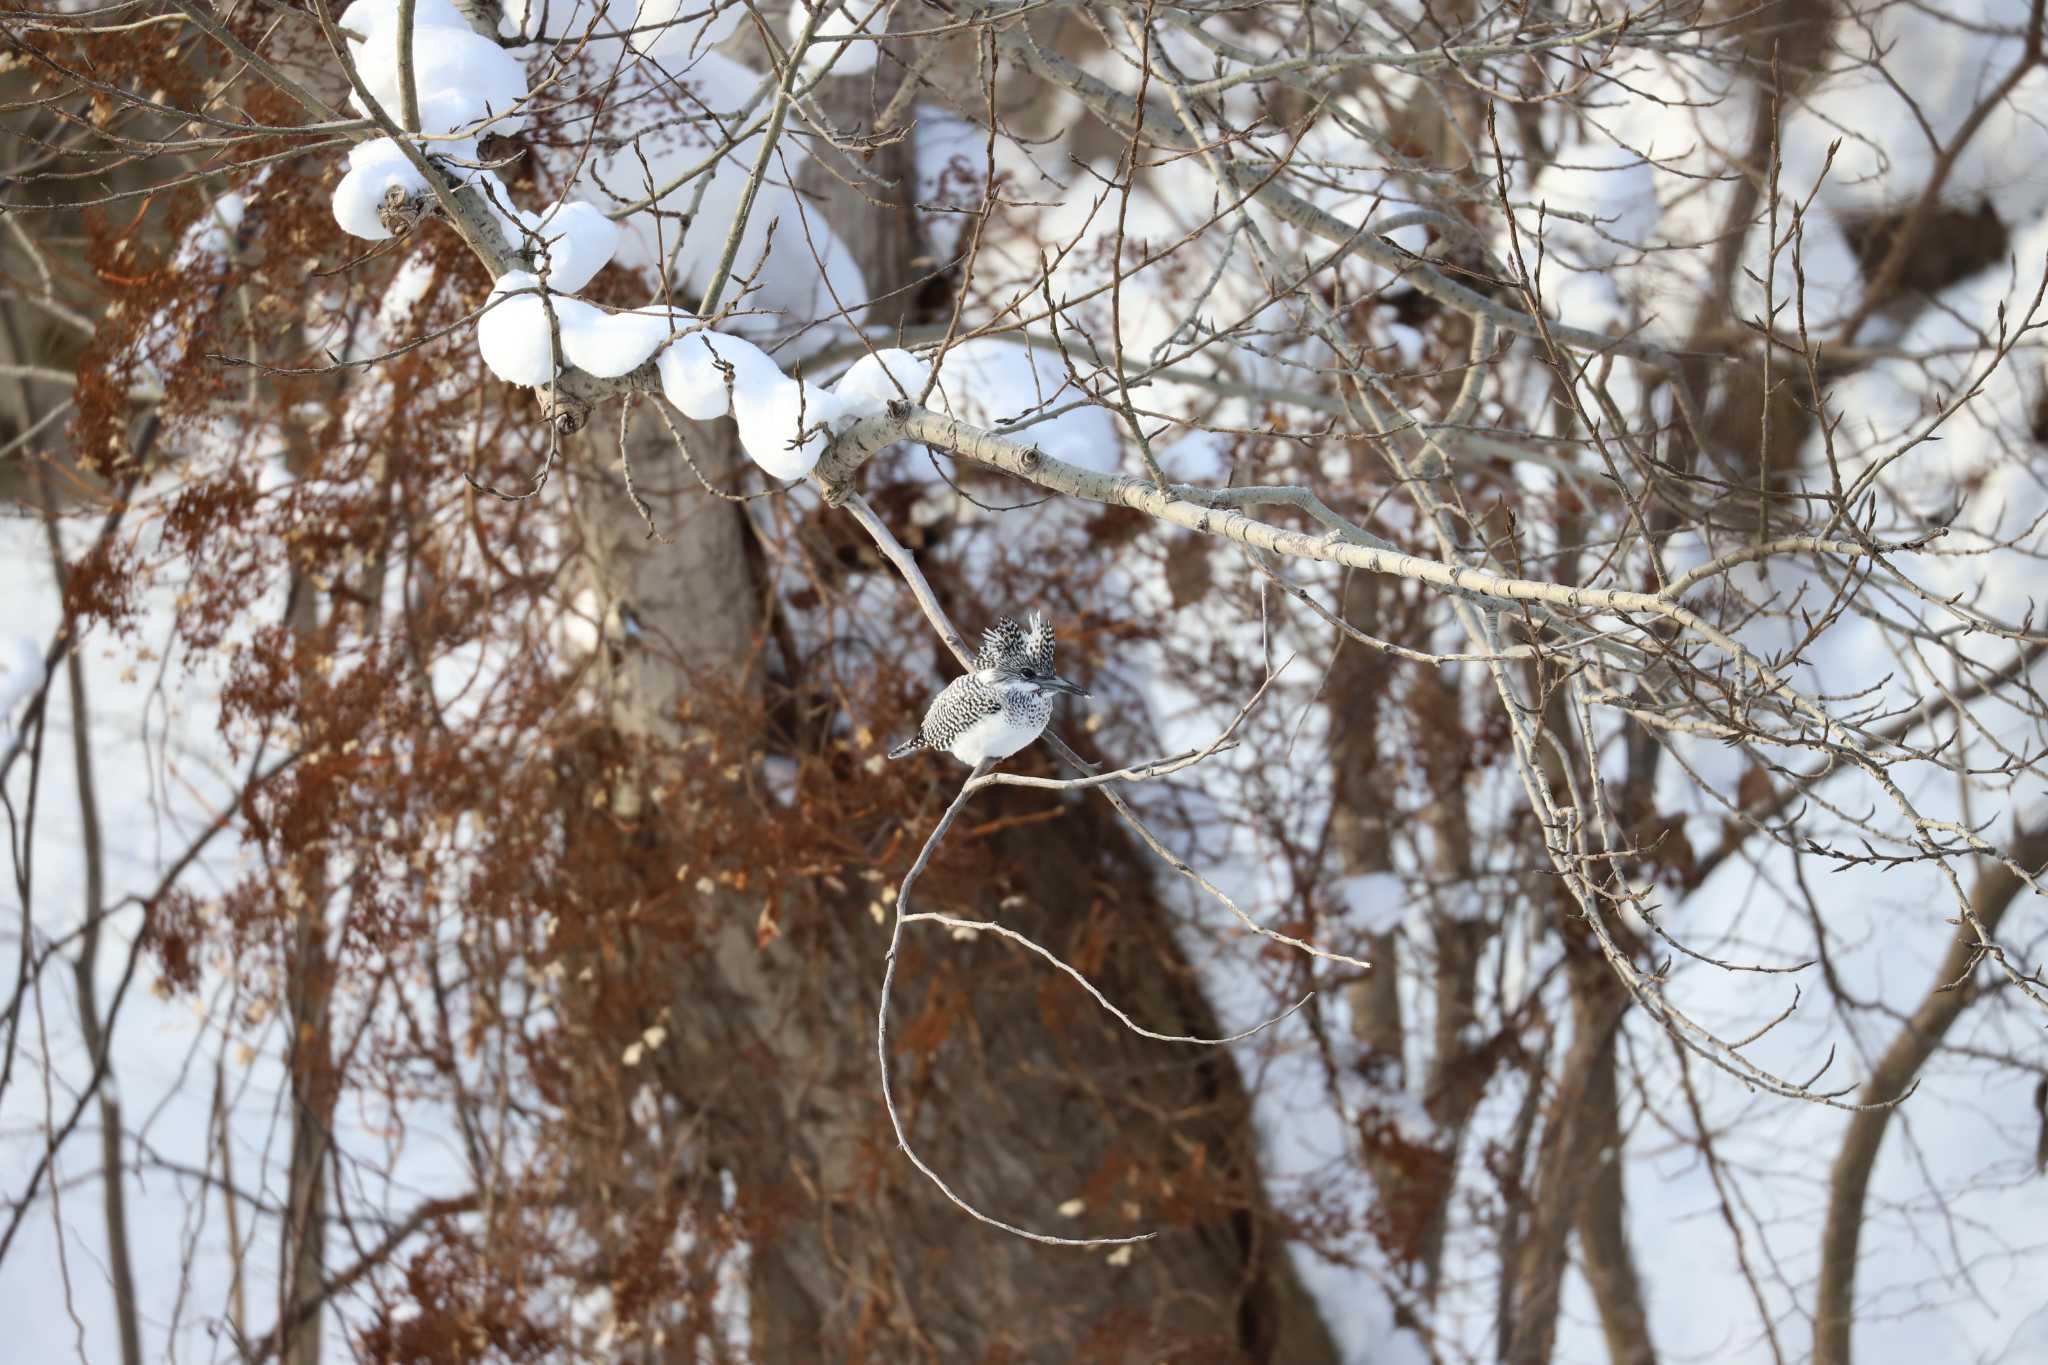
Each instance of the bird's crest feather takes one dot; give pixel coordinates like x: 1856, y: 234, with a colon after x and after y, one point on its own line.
x: 1004, y: 640
x: 1038, y: 644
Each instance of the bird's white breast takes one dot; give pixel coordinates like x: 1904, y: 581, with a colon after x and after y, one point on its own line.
x: 1001, y: 734
x: 996, y: 736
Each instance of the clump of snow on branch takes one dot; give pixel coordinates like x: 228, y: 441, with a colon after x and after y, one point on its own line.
x: 694, y: 375
x: 465, y: 82
x: 533, y: 324
x: 374, y: 169
x: 784, y: 424
x: 611, y: 344
x: 515, y: 334
x: 661, y: 169
x: 577, y: 241
x: 879, y: 378
x: 518, y: 338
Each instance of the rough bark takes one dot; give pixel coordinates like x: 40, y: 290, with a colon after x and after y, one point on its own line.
x: 1028, y: 1096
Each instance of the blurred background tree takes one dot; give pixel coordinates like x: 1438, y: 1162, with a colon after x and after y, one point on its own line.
x: 1586, y: 462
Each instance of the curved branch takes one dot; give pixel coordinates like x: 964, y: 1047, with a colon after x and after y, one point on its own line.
x: 882, y: 1041
x: 1951, y: 992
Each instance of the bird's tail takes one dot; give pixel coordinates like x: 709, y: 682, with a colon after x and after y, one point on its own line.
x: 908, y: 747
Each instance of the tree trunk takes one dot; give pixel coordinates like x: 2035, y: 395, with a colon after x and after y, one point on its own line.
x: 1578, y: 1182
x: 309, y: 987
x: 1603, y: 1225
x: 1567, y: 1165
x: 1014, y: 1085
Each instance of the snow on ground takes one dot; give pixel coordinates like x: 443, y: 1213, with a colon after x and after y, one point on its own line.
x: 161, y: 773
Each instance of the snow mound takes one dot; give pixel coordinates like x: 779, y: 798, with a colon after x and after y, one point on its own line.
x: 514, y: 334
x: 371, y: 18
x: 877, y: 380
x: 373, y: 169
x: 611, y: 344
x: 576, y: 239
x: 784, y: 424
x: 1615, y: 190
x: 461, y: 78
x: 531, y: 20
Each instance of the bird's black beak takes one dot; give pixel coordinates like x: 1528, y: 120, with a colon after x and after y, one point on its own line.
x: 1056, y: 683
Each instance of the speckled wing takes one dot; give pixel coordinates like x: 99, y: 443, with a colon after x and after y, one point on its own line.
x: 964, y: 702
